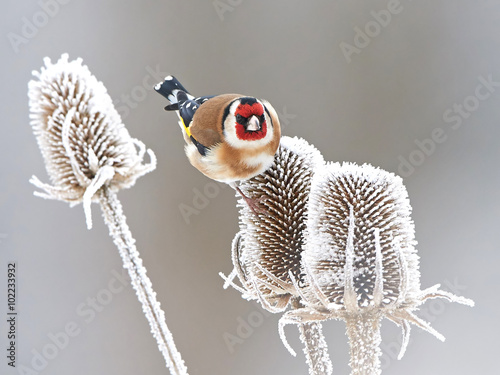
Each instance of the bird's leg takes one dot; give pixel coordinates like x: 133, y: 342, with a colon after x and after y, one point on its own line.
x: 253, y: 203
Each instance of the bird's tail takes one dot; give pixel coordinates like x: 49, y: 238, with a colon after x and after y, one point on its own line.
x: 170, y: 88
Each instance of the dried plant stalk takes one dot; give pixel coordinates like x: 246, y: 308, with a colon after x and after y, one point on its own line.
x: 122, y: 237
x: 364, y: 342
x: 89, y: 156
x: 315, y: 346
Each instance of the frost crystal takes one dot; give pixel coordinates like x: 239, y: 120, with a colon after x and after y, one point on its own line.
x: 81, y: 136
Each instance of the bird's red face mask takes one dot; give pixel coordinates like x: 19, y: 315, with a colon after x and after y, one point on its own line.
x: 250, y: 121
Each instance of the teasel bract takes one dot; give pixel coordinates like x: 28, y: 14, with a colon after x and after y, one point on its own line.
x: 266, y: 253
x: 359, y: 260
x: 89, y: 156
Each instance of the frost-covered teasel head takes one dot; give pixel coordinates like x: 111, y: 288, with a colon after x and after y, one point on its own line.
x: 83, y: 141
x: 360, y: 259
x: 360, y: 248
x: 268, y: 248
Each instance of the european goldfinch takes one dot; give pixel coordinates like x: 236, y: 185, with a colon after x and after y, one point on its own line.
x: 229, y: 137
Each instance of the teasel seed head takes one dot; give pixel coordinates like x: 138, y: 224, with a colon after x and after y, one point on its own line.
x: 361, y: 239
x: 268, y: 248
x: 83, y: 141
x: 360, y: 260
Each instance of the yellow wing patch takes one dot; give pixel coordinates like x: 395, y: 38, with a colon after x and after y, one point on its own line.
x: 186, y: 128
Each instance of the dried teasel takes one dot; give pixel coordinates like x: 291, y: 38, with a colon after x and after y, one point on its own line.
x: 83, y: 141
x: 268, y: 247
x: 338, y: 242
x: 266, y: 253
x: 360, y: 260
x: 89, y: 155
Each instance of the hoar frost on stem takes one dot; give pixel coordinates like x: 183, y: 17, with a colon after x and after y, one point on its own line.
x: 89, y: 156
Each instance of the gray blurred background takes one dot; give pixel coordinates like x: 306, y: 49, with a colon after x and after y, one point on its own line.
x: 375, y: 98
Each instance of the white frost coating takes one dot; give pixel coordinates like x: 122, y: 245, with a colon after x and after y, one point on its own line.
x: 364, y: 341
x: 315, y: 347
x: 266, y: 251
x: 122, y: 237
x: 79, y: 132
x: 102, y: 176
x: 287, y: 194
x: 405, y: 328
x: 350, y: 296
x: 358, y: 256
x: 403, y: 273
x: 360, y: 259
x: 300, y: 146
x: 89, y: 155
x: 281, y: 331
x: 378, y: 290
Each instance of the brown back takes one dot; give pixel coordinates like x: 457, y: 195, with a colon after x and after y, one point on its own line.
x: 206, y: 127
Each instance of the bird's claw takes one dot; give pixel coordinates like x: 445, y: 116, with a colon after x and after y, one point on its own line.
x: 254, y: 203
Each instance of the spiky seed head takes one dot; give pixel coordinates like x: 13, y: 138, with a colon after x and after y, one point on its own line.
x: 273, y: 242
x: 349, y: 228
x: 360, y: 237
x: 80, y: 134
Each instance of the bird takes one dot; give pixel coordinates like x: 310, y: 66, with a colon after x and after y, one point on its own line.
x: 229, y: 137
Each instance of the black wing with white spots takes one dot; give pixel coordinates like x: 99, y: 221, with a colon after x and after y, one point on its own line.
x: 197, y: 102
x: 183, y: 102
x: 187, y: 107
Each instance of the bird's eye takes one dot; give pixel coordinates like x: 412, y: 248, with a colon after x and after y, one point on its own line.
x: 240, y: 119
